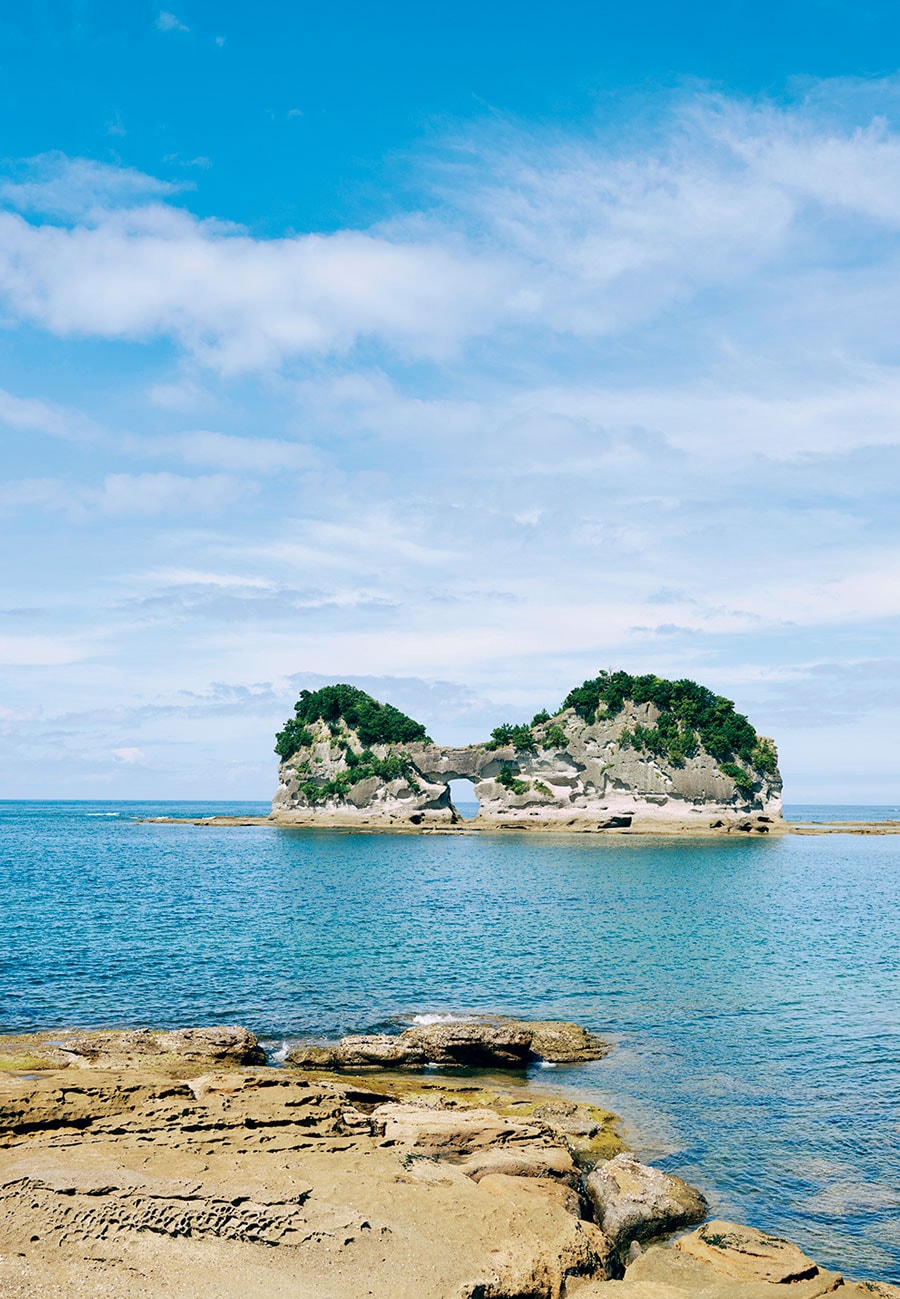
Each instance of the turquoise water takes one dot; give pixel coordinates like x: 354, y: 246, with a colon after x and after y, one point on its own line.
x: 750, y: 986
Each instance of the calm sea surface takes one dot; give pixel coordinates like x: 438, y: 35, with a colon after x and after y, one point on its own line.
x: 750, y: 986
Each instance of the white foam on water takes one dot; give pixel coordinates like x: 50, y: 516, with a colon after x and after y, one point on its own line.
x: 439, y: 1019
x: 102, y: 814
x: 279, y: 1055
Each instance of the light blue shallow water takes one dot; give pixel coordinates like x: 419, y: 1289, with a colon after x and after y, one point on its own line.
x: 750, y: 986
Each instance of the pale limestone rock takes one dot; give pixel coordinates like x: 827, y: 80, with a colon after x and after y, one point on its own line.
x: 592, y: 782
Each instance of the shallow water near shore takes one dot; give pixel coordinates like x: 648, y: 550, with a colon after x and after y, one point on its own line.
x: 750, y: 987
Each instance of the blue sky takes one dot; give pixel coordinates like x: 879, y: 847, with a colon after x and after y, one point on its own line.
x: 459, y: 351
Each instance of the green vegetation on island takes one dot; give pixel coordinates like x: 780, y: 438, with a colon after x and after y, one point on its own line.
x: 536, y: 736
x: 690, y: 715
x: 509, y: 780
x: 374, y: 723
x: 360, y: 766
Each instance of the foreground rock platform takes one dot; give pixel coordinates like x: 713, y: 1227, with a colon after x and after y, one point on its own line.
x: 147, y: 1164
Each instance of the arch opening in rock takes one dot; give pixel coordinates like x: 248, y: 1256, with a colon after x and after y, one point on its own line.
x: 464, y: 799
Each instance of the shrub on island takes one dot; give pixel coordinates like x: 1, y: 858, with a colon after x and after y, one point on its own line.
x: 374, y: 722
x: 689, y: 715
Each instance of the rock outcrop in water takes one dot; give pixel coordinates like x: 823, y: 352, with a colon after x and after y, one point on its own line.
x: 634, y: 754
x: 480, y: 1044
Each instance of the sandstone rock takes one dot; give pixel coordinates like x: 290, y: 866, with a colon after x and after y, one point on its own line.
x: 869, y: 1290
x: 515, y: 1188
x: 221, y: 1044
x: 661, y: 1273
x: 449, y: 1131
x: 491, y: 1044
x: 255, y: 1184
x: 563, y: 1043
x: 231, y: 1045
x: 314, y: 1057
x: 521, y: 1161
x: 475, y: 1044
x: 587, y: 1130
x: 747, y: 1254
x: 635, y: 1202
x: 379, y: 1049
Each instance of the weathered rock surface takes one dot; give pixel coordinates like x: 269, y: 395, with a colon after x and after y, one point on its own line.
x: 163, y: 1180
x: 747, y: 1255
x: 578, y: 776
x: 633, y: 1201
x: 725, y: 1261
x: 235, y: 1183
x: 118, y: 1048
x: 494, y: 1044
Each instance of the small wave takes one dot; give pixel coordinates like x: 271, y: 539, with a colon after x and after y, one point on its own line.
x: 440, y: 1019
x: 279, y: 1054
x: 103, y: 814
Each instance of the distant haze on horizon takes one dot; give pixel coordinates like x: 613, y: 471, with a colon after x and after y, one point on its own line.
x: 457, y: 354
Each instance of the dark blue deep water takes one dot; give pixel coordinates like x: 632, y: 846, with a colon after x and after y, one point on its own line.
x: 750, y: 987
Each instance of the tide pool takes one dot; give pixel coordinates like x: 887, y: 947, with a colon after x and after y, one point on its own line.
x: 750, y: 986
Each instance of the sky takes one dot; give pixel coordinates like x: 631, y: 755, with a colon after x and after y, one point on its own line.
x: 457, y: 351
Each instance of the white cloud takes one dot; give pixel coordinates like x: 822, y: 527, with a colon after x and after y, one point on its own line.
x: 200, y: 577
x: 31, y: 414
x: 229, y: 452
x: 128, y: 495
x: 242, y: 303
x: 164, y: 493
x: 539, y: 238
x: 168, y: 22
x: 79, y: 188
x: 129, y: 755
x: 41, y: 651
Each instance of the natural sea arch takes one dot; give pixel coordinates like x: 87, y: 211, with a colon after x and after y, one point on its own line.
x: 464, y: 798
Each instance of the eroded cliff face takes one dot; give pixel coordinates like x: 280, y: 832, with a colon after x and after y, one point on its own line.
x: 576, y: 776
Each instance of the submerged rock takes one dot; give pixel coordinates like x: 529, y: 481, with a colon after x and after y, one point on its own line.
x: 485, y: 1044
x: 633, y: 1201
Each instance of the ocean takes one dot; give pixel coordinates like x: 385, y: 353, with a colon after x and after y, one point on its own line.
x: 749, y: 986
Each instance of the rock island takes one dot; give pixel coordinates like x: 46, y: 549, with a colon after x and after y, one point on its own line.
x: 633, y: 754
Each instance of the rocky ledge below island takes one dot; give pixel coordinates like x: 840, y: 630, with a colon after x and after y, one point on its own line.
x: 179, y: 1164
